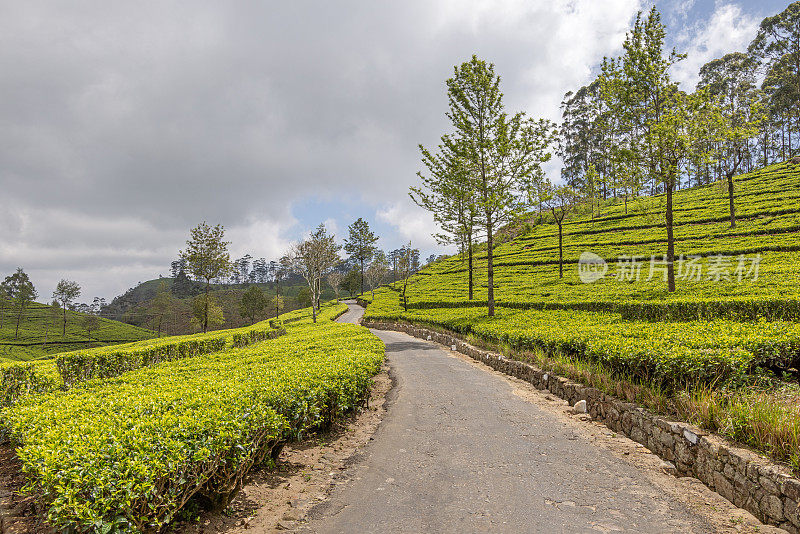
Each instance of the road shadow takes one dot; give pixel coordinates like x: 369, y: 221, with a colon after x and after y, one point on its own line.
x: 400, y: 346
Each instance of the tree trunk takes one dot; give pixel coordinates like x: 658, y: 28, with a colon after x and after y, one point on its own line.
x: 19, y: 318
x: 362, y: 277
x: 64, y: 331
x: 277, y: 298
x: 560, y: 248
x: 205, y: 310
x: 313, y: 310
x: 469, y: 268
x: 670, y: 239
x: 490, y: 265
x: 730, y: 199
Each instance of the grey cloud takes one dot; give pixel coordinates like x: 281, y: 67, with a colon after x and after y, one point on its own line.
x: 123, y: 124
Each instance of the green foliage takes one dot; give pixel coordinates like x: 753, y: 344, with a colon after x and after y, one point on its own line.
x: 708, y: 332
x: 254, y: 303
x: 127, y: 453
x: 360, y: 244
x: 206, y: 313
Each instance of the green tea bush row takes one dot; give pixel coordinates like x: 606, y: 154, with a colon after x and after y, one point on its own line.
x: 127, y: 453
x: 18, y: 379
x: 750, y: 309
x: 671, y: 354
x: 81, y: 366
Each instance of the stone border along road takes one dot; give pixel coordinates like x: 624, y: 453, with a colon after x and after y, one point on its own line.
x: 464, y: 448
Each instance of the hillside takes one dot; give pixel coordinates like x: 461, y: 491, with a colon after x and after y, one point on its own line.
x: 526, y: 267
x: 135, y: 305
x: 727, y: 337
x: 40, y: 333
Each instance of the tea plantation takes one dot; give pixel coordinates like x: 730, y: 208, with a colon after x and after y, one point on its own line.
x: 730, y: 329
x: 121, y: 438
x: 40, y: 333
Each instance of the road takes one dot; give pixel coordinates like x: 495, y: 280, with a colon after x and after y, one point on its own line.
x: 464, y: 450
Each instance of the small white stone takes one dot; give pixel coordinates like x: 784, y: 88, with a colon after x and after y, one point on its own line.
x: 580, y: 406
x: 454, y: 347
x: 690, y: 436
x: 429, y: 338
x: 545, y: 377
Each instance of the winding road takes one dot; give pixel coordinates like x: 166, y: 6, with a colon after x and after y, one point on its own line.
x: 464, y: 449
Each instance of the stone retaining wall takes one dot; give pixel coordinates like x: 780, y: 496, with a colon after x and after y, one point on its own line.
x: 749, y: 481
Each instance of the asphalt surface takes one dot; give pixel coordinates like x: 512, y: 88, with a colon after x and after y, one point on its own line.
x: 458, y: 451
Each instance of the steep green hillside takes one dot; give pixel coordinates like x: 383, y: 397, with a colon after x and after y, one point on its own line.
x: 733, y: 313
x: 526, y: 268
x: 722, y: 352
x: 40, y: 333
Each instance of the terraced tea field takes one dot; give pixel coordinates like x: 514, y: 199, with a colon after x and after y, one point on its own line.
x: 36, y: 340
x: 731, y: 325
x: 120, y: 438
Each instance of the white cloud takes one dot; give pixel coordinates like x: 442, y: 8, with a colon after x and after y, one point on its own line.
x: 412, y: 224
x: 124, y: 126
x: 728, y: 29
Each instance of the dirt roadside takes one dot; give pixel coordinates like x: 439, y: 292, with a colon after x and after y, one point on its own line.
x: 278, y: 500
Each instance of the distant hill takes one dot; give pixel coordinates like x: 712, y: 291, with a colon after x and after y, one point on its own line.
x: 40, y: 333
x: 135, y: 306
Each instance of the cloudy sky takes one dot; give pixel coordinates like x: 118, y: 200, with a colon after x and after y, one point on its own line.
x: 123, y: 124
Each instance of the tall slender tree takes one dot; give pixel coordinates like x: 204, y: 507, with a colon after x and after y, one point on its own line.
x: 207, y: 258
x: 560, y: 200
x: 731, y: 81
x: 448, y: 193
x: 20, y: 288
x: 638, y: 87
x: 505, y: 153
x: 360, y: 244
x: 66, y: 292
x: 313, y: 258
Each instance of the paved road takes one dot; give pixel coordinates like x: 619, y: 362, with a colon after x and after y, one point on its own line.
x: 459, y: 451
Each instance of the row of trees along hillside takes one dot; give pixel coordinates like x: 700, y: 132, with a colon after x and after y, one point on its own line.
x: 632, y: 131
x: 206, y: 272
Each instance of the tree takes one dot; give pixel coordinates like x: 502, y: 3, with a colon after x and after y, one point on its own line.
x: 560, y: 200
x: 638, y: 89
x: 278, y: 303
x: 207, y: 258
x: 407, y: 265
x: 361, y: 244
x: 505, y: 153
x: 447, y: 192
x: 253, y: 304
x: 5, y: 303
x: 377, y: 270
x: 161, y: 306
x: 281, y: 271
x: 312, y: 258
x: 66, y: 292
x: 206, y: 313
x: 352, y: 281
x: 731, y: 81
x: 335, y: 279
x: 90, y: 323
x: 20, y: 288
x: 777, y: 47
x: 303, y: 298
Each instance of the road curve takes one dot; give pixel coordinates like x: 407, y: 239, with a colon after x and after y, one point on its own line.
x: 461, y: 451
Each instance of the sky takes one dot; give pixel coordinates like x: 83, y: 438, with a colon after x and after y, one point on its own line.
x: 124, y: 124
